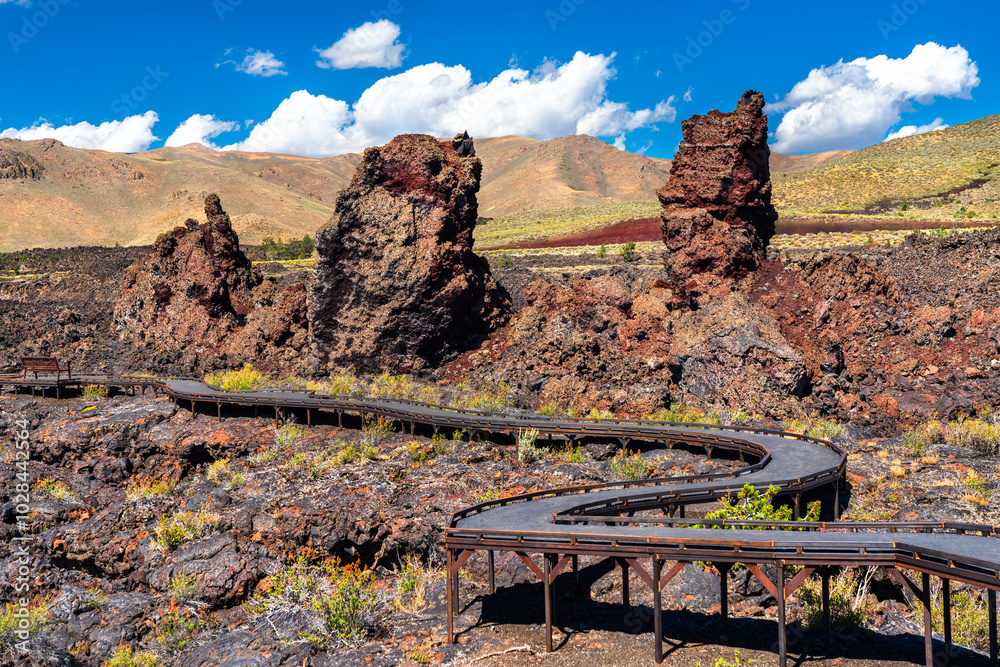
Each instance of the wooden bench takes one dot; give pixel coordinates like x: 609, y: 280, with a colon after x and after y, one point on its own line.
x: 45, y: 366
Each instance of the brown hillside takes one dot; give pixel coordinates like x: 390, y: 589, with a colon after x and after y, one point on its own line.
x: 789, y: 164
x: 52, y: 195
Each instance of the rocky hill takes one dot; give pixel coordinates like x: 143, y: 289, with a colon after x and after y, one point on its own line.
x: 949, y: 174
x: 56, y: 196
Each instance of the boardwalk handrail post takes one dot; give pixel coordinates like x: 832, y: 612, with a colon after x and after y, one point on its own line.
x: 657, y: 611
x: 780, y: 595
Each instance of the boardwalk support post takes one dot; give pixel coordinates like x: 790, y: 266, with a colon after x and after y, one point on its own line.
x: 625, y: 596
x: 928, y: 626
x: 991, y: 596
x: 780, y: 595
x: 547, y: 584
x: 451, y: 599
x: 946, y: 607
x: 825, y: 576
x: 657, y: 612
x: 492, y: 570
x: 724, y: 569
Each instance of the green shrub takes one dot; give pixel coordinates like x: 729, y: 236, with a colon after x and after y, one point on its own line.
x: 244, y: 379
x: 527, y: 452
x: 970, y: 619
x: 125, y: 657
x: 344, y: 605
x: 95, y: 392
x: 176, y: 529
x: 735, y: 662
x: 175, y: 631
x: 751, y: 505
x: 288, y: 435
x: 182, y: 586
x: 602, y: 252
x: 10, y: 624
x: 146, y: 488
x: 629, y: 467
x: 54, y: 489
x: 627, y: 252
x: 411, y: 585
x: 376, y: 430
x: 850, y: 610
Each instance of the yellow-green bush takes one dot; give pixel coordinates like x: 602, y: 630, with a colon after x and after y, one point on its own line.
x: 245, y: 379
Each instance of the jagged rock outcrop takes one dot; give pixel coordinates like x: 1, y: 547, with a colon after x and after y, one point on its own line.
x: 717, y: 216
x: 197, y: 291
x: 397, y: 285
x: 17, y: 165
x: 193, y: 289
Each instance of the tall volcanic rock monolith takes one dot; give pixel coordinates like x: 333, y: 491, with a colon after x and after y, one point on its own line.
x: 397, y: 285
x: 192, y: 290
x: 717, y: 216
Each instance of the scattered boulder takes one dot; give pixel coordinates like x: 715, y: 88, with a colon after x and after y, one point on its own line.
x: 397, y: 285
x: 717, y: 216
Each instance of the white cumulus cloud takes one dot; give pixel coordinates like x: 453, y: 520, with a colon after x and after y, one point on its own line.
x: 372, y: 44
x: 131, y: 135
x: 261, y: 63
x: 854, y: 104
x: 910, y: 130
x: 200, y: 129
x: 553, y: 101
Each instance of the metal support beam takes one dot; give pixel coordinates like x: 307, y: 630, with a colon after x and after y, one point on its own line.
x: 492, y: 571
x: 547, y: 584
x: 723, y: 569
x: 625, y: 596
x: 451, y: 602
x: 657, y: 612
x: 825, y: 576
x: 782, y: 639
x: 946, y: 608
x: 928, y: 625
x: 991, y: 597
x: 576, y: 575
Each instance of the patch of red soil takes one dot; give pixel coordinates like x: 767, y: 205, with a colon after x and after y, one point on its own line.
x: 648, y: 229
x: 642, y: 229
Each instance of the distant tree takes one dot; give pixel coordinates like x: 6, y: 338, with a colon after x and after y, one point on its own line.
x: 306, y: 247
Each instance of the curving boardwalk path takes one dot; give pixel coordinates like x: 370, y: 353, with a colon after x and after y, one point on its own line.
x: 641, y: 525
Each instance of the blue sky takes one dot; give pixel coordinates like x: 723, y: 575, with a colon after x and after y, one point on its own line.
x: 313, y: 78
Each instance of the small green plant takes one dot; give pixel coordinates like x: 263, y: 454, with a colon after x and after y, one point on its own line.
x: 439, y: 443
x: 969, y: 613
x: 146, y: 488
x: 549, y: 409
x: 12, y: 622
x: 124, y: 656
x: 344, y: 606
x: 627, y: 252
x: 735, y: 662
x: 411, y: 585
x: 418, y: 453
x: 54, y: 489
x: 457, y: 435
x: 978, y: 489
x: 176, y: 529
x: 850, y: 609
x: 486, y: 495
x: 916, y: 440
x: 825, y: 429
x: 176, y: 629
x: 504, y: 262
x: 224, y: 474
x: 245, y: 379
x: 574, y: 454
x: 376, y: 430
x: 182, y: 586
x: 288, y: 435
x: 630, y: 466
x: 95, y: 392
x: 602, y: 252
x: 527, y: 452
x: 421, y: 658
